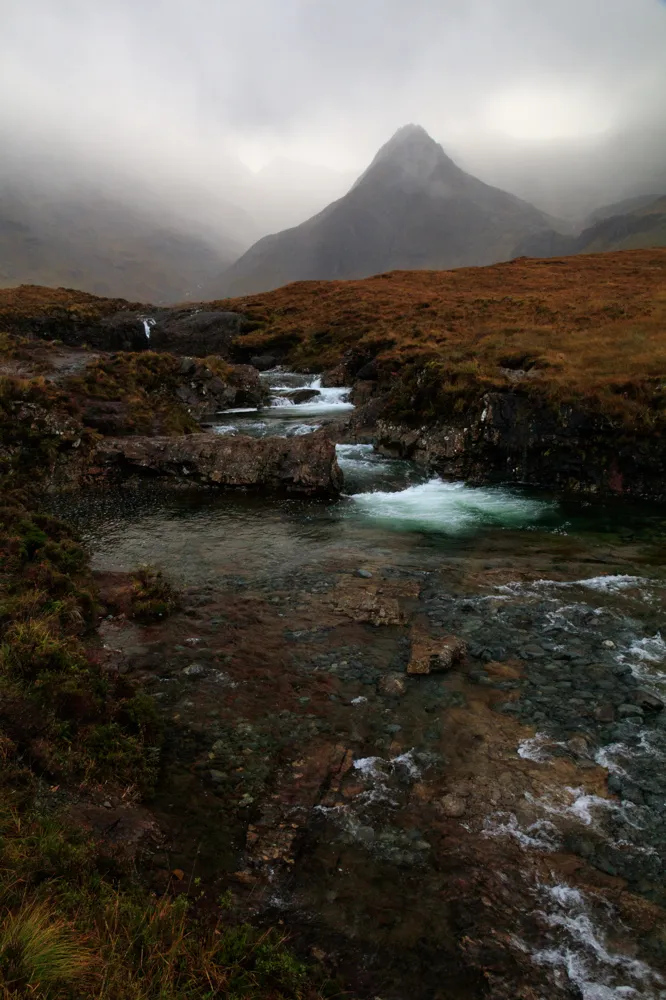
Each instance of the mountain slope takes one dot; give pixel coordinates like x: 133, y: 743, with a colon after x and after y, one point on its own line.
x: 633, y: 225
x: 412, y: 208
x: 85, y: 239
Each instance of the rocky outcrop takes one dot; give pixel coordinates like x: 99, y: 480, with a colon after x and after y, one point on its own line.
x: 197, y: 332
x: 507, y: 436
x: 204, y: 392
x: 190, y: 331
x: 296, y: 465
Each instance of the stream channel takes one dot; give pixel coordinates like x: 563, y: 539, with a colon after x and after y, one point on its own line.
x: 440, y: 835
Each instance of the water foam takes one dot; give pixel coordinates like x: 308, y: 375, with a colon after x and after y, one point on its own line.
x: 330, y: 399
x: 537, y: 747
x: 585, y: 956
x: 452, y: 508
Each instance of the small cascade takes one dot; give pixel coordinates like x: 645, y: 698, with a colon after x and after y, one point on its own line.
x: 283, y: 417
x: 329, y: 401
x: 148, y: 324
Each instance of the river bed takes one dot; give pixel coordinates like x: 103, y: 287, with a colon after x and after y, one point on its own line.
x: 499, y: 827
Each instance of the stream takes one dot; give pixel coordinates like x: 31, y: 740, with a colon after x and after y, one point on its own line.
x: 442, y: 833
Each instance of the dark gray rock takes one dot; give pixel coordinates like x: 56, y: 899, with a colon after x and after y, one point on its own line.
x: 305, y: 464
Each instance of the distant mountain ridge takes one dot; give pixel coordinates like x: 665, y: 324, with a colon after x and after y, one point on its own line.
x: 413, y: 208
x: 635, y: 224
x: 77, y: 236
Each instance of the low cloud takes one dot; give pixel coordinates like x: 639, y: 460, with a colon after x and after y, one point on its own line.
x: 188, y: 97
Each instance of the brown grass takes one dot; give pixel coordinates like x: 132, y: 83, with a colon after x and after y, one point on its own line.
x: 582, y: 321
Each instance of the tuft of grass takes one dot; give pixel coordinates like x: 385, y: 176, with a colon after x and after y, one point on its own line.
x: 41, y: 954
x: 152, y: 596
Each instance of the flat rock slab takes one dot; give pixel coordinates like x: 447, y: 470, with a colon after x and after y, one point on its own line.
x: 305, y: 464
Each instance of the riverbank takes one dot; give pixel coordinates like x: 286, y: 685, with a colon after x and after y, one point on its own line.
x: 547, y: 372
x: 458, y: 833
x: 82, y: 743
x: 417, y: 727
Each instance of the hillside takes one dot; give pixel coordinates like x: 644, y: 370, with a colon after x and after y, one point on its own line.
x: 580, y: 320
x: 412, y: 208
x: 90, y: 241
x: 631, y: 225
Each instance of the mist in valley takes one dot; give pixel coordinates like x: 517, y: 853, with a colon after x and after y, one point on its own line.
x: 219, y: 123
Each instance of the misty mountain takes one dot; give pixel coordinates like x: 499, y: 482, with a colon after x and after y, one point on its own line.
x: 412, y: 208
x: 285, y: 193
x: 637, y: 223
x: 78, y: 235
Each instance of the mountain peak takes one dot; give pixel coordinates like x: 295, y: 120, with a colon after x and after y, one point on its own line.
x: 412, y: 153
x: 412, y: 208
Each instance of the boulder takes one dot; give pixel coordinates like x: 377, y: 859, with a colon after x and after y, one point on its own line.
x: 304, y: 464
x: 301, y: 395
x: 435, y: 655
x: 205, y: 393
x: 647, y: 700
x: 265, y: 362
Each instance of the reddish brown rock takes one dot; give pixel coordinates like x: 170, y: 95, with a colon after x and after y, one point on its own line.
x: 304, y: 464
x: 435, y: 655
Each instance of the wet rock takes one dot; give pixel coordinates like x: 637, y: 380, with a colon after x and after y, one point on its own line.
x: 646, y: 700
x: 453, y: 806
x: 435, y: 655
x: 614, y: 784
x: 604, y: 713
x: 305, y: 464
x: 216, y: 777
x: 627, y: 711
x: 393, y: 684
x: 204, y: 392
x: 365, y: 574
x: 301, y: 395
x: 265, y: 362
x: 370, y: 605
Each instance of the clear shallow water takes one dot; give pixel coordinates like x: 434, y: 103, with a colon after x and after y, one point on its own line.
x: 520, y: 576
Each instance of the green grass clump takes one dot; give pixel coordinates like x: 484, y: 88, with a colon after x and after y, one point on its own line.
x: 152, y: 596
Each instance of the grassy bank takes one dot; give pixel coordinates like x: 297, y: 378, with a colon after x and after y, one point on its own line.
x: 588, y: 328
x: 78, y: 917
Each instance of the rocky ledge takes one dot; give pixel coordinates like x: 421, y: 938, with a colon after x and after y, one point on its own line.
x: 509, y: 437
x: 294, y: 465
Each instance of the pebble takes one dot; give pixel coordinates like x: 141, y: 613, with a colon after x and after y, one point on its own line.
x: 194, y: 670
x: 365, y: 574
x: 392, y: 684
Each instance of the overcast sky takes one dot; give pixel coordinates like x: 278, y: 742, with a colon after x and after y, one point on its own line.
x: 177, y: 87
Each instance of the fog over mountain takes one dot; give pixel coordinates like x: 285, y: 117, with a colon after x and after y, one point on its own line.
x: 412, y: 208
x: 228, y: 121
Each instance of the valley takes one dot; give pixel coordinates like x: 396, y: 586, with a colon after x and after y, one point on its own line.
x: 385, y: 684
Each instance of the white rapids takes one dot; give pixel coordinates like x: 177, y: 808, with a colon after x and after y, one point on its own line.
x: 452, y: 508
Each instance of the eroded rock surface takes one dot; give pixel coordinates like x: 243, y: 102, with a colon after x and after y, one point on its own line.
x: 300, y: 465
